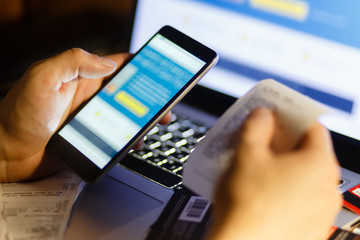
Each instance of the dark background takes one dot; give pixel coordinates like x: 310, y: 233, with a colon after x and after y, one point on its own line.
x: 36, y: 29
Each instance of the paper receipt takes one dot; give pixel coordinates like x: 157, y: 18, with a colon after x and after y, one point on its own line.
x: 38, y: 209
x: 295, y: 114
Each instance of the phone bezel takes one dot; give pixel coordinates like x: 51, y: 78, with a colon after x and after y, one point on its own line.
x: 84, y: 167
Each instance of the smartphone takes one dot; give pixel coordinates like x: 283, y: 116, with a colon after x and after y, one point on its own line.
x: 131, y: 103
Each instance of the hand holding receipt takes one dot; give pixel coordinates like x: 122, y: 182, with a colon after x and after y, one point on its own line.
x: 274, y: 179
x: 211, y: 157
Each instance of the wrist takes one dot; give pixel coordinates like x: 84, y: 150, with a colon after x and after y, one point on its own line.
x: 239, y: 223
x: 233, y: 233
x: 231, y: 227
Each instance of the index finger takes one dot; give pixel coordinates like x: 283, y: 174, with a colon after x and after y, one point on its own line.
x: 258, y: 130
x: 166, y: 119
x: 317, y: 137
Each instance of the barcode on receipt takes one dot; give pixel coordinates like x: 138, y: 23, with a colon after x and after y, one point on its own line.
x: 195, y: 209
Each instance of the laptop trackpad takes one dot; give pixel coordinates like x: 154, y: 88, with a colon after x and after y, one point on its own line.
x: 107, y: 205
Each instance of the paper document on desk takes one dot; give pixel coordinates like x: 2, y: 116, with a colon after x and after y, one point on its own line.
x: 38, y: 209
x: 295, y: 114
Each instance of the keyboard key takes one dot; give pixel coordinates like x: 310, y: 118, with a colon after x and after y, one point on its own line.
x: 183, y: 128
x: 172, y: 141
x: 143, y: 154
x: 154, y: 145
x: 171, y: 165
x: 198, y: 135
x: 179, y: 155
x: 174, y: 117
x: 173, y: 127
x: 156, y: 159
x: 166, y: 137
x: 179, y: 171
x: 154, y: 130
x: 186, y: 149
x: 165, y: 178
x: 188, y: 133
x: 148, y: 141
x: 181, y: 143
x: 170, y: 151
x: 165, y: 148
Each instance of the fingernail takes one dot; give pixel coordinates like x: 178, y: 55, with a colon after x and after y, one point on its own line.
x: 107, y: 62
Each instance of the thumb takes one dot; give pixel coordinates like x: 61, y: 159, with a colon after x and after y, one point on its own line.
x: 257, y: 132
x: 75, y: 63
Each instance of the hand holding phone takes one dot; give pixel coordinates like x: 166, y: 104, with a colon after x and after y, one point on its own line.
x: 131, y: 103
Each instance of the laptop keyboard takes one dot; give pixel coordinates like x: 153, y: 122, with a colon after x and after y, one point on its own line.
x: 166, y: 148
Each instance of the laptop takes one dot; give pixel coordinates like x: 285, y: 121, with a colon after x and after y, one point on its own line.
x: 310, y: 46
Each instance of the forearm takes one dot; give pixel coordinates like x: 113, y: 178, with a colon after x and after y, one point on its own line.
x: 13, y: 167
x: 3, y: 165
x: 244, y: 226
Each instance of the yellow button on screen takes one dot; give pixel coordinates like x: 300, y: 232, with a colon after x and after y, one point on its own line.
x: 294, y: 9
x: 131, y: 103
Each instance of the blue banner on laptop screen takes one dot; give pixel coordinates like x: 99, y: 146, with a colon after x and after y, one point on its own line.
x: 329, y: 19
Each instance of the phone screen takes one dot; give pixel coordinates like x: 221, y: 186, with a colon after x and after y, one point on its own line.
x: 131, y: 99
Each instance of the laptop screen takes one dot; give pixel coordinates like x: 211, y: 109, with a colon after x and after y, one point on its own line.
x: 312, y: 46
